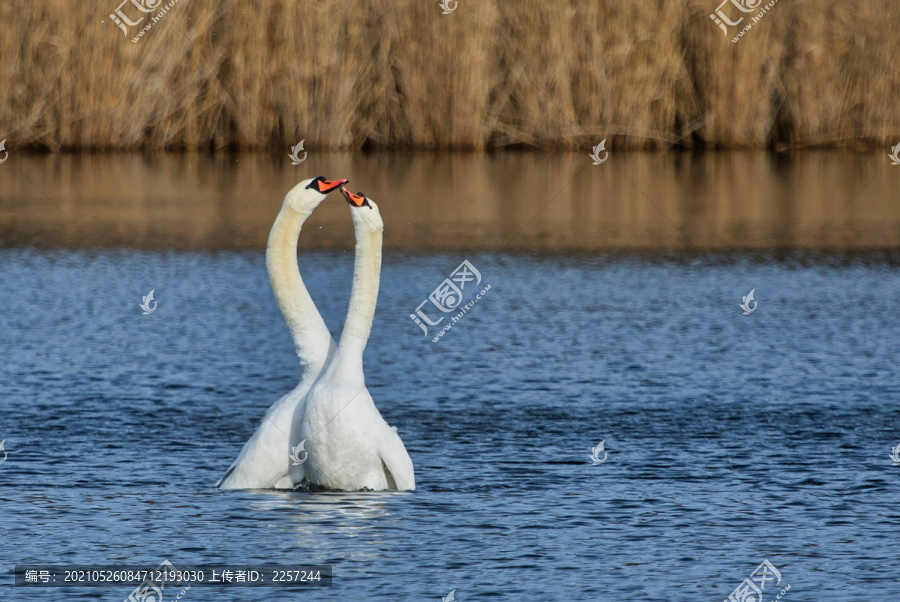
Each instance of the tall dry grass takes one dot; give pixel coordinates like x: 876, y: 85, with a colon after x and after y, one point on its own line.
x: 367, y: 73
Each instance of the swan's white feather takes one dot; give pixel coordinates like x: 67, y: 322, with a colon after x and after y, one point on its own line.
x: 264, y: 461
x: 350, y: 445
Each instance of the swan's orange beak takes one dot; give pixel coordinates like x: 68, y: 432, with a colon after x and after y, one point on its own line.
x: 325, y: 186
x: 357, y: 200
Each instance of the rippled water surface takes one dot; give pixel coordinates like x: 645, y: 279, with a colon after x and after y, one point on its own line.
x: 728, y: 438
x: 731, y: 439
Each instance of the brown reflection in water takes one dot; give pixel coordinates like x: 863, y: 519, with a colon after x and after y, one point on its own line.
x: 503, y: 201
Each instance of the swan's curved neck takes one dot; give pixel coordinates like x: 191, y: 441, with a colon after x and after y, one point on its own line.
x: 308, y: 329
x: 363, y: 297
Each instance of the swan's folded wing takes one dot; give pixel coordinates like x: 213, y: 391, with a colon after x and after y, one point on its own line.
x: 396, y: 460
x: 263, y: 461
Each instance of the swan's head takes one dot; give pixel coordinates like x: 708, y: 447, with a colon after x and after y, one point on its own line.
x: 364, y: 211
x: 306, y: 196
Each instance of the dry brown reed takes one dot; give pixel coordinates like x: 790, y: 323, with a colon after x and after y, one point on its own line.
x: 378, y: 74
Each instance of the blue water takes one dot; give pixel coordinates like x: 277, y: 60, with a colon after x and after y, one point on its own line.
x: 731, y: 439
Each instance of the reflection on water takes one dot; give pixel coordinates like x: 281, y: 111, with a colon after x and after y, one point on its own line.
x: 323, y: 514
x: 499, y: 201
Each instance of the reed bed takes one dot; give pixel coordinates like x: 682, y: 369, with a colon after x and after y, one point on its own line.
x: 549, y: 74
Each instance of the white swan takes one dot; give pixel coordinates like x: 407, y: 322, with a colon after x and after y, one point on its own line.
x: 263, y: 463
x: 350, y: 445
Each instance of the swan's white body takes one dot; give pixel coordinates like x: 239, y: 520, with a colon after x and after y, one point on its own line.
x: 263, y: 462
x: 350, y: 445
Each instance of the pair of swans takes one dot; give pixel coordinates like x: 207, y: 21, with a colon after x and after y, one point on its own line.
x: 326, y: 432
